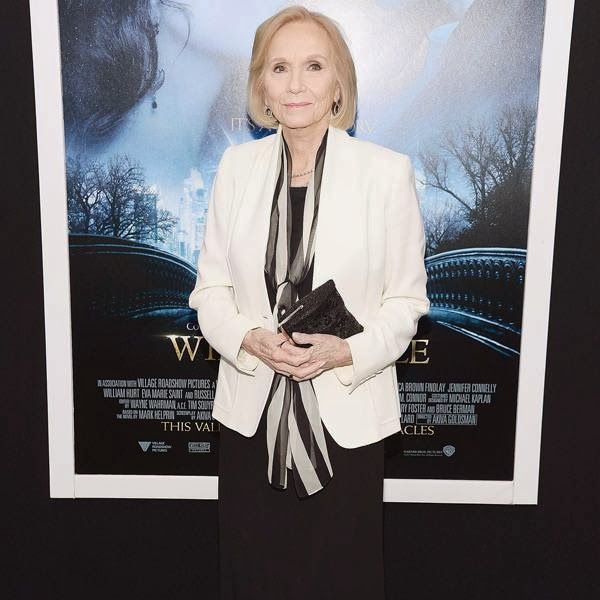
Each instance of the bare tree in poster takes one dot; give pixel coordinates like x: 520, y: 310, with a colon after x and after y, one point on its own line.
x: 84, y: 192
x: 442, y: 225
x: 114, y: 200
x: 486, y: 170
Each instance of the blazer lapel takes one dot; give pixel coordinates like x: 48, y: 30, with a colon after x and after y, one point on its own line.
x: 250, y: 247
x: 251, y: 228
x: 331, y: 205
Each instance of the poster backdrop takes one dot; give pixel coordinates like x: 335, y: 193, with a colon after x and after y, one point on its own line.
x: 153, y: 92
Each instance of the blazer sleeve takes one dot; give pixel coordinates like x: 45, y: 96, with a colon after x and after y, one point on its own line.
x: 404, y: 299
x: 221, y: 324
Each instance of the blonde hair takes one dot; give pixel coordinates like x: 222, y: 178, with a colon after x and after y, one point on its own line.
x: 344, y: 65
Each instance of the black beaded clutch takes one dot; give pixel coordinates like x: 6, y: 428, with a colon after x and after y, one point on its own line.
x: 321, y: 311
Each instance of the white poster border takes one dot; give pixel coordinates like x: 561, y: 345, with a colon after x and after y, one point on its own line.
x: 65, y: 483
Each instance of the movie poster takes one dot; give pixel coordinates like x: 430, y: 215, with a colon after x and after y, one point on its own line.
x: 153, y: 93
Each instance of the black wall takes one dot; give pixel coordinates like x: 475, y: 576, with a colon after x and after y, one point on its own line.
x: 156, y: 549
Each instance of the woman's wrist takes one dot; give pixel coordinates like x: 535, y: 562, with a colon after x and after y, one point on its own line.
x: 248, y: 341
x: 345, y: 359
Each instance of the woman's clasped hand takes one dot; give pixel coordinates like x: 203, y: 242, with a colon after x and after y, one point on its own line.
x: 285, y: 357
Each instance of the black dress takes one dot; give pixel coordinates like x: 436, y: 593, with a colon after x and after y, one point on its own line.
x: 275, y: 546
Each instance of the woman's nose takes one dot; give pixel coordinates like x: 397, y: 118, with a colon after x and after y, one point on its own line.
x: 296, y: 80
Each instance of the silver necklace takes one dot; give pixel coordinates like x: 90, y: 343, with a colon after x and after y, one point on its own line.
x: 303, y: 173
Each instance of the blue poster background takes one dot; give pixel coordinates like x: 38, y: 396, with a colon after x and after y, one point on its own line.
x: 152, y: 95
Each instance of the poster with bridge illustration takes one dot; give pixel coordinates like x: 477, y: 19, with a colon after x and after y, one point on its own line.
x: 153, y: 93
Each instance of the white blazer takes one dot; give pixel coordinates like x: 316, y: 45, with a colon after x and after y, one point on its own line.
x: 369, y: 240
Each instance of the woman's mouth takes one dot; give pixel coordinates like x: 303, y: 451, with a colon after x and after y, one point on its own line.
x: 296, y: 104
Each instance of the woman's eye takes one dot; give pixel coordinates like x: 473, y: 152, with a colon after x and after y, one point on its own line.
x: 315, y: 65
x: 277, y: 67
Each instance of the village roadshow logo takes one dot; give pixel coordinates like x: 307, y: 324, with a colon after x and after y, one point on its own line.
x: 154, y: 446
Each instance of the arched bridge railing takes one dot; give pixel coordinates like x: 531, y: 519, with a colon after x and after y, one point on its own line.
x: 113, y: 277
x: 479, y: 292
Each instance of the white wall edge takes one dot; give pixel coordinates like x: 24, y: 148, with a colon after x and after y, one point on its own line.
x: 175, y: 487
x: 55, y: 248
x: 540, y: 247
x: 183, y: 487
x: 448, y: 491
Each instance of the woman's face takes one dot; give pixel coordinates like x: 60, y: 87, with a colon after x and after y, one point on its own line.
x: 300, y: 79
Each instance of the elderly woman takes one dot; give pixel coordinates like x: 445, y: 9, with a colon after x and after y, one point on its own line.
x: 288, y: 212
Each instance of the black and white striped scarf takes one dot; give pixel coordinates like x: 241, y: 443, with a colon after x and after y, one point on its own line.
x: 295, y: 436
